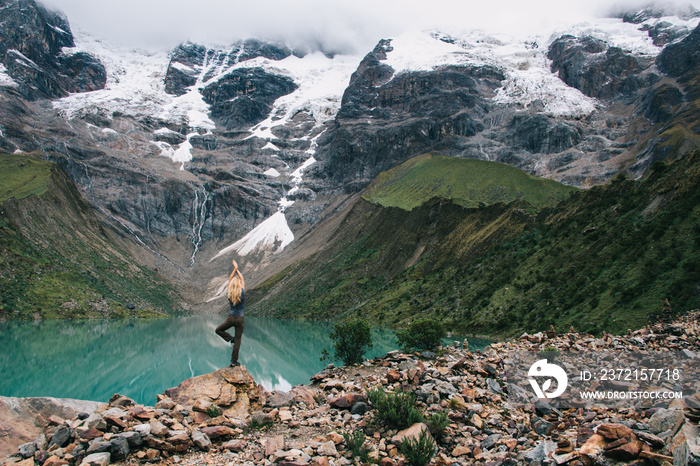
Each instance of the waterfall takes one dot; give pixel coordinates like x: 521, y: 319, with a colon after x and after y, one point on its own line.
x: 200, y: 215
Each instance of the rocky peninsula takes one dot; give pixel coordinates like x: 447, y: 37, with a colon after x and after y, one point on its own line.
x: 226, y: 418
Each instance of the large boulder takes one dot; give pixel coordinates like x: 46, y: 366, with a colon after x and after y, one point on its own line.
x: 232, y: 389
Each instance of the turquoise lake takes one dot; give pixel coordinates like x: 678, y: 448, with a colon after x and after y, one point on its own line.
x: 94, y: 359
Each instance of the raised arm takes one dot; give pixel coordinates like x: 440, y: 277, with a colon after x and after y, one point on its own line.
x: 236, y: 272
x: 241, y: 277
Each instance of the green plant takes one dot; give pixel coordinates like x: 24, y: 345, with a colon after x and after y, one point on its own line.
x: 418, y: 451
x: 355, y: 443
x: 257, y: 425
x: 437, y: 423
x: 550, y: 354
x: 351, y: 340
x: 214, y: 411
x: 422, y: 335
x: 398, y: 410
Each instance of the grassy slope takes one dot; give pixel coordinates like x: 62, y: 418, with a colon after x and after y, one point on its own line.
x: 604, y: 259
x: 57, y: 261
x: 469, y: 183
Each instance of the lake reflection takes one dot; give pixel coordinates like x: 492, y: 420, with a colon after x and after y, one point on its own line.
x: 92, y: 360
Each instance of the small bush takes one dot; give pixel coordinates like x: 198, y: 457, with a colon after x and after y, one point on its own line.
x: 420, y: 451
x: 422, y: 335
x: 355, y: 443
x: 351, y: 340
x: 437, y: 423
x: 214, y: 411
x: 398, y: 410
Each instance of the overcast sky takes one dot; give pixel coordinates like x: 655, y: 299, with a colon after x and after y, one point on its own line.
x: 341, y: 25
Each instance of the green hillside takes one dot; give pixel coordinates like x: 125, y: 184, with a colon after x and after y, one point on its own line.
x: 22, y: 176
x: 470, y: 183
x: 602, y: 260
x: 57, y: 260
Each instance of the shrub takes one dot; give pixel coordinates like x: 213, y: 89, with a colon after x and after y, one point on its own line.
x: 418, y: 451
x: 398, y: 410
x: 351, y: 340
x: 355, y: 443
x: 422, y: 335
x: 437, y: 423
x: 214, y: 411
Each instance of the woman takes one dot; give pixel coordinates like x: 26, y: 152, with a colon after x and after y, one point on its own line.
x: 236, y: 301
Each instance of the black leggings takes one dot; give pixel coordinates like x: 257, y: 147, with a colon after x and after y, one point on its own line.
x: 237, y: 322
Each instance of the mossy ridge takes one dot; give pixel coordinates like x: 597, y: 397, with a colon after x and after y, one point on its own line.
x: 469, y: 182
x: 57, y: 261
x: 22, y: 176
x: 602, y: 260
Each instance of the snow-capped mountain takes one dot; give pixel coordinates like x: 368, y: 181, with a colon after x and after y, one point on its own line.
x: 205, y: 151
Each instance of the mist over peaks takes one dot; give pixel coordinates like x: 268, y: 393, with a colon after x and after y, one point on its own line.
x: 333, y: 27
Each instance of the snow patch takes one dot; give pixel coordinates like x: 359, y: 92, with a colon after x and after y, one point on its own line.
x: 272, y: 233
x: 135, y: 87
x: 165, y: 131
x: 297, y: 178
x: 321, y: 83
x: 529, y: 78
x: 5, y: 79
x: 272, y: 172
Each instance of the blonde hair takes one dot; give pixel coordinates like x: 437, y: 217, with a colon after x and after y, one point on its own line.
x: 234, y: 290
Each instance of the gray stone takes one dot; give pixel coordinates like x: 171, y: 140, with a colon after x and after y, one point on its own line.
x: 279, y: 399
x: 541, y: 452
x: 159, y: 429
x: 119, y: 448
x: 359, y: 408
x: 542, y: 427
x: 98, y: 459
x: 517, y: 392
x: 41, y: 442
x: 261, y: 418
x: 95, y: 421
x: 60, y: 437
x: 201, y: 440
x: 542, y: 408
x: 686, y: 454
x: 445, y: 389
x: 27, y: 450
x: 428, y: 354
x: 406, y: 366
x: 493, y: 386
x: 490, y: 441
x: 98, y: 446
x: 143, y: 429
x: 133, y: 438
x: 666, y: 419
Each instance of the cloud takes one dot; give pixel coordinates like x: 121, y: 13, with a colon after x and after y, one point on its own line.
x: 347, y: 26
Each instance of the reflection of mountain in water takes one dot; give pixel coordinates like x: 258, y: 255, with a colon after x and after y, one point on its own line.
x: 94, y: 359
x: 282, y: 353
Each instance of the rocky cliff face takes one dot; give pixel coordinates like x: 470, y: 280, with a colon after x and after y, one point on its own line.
x: 187, y: 152
x: 31, y: 49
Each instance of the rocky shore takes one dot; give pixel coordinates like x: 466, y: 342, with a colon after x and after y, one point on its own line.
x: 226, y: 418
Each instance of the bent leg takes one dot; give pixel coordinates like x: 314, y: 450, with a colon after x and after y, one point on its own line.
x: 227, y: 324
x: 239, y: 325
